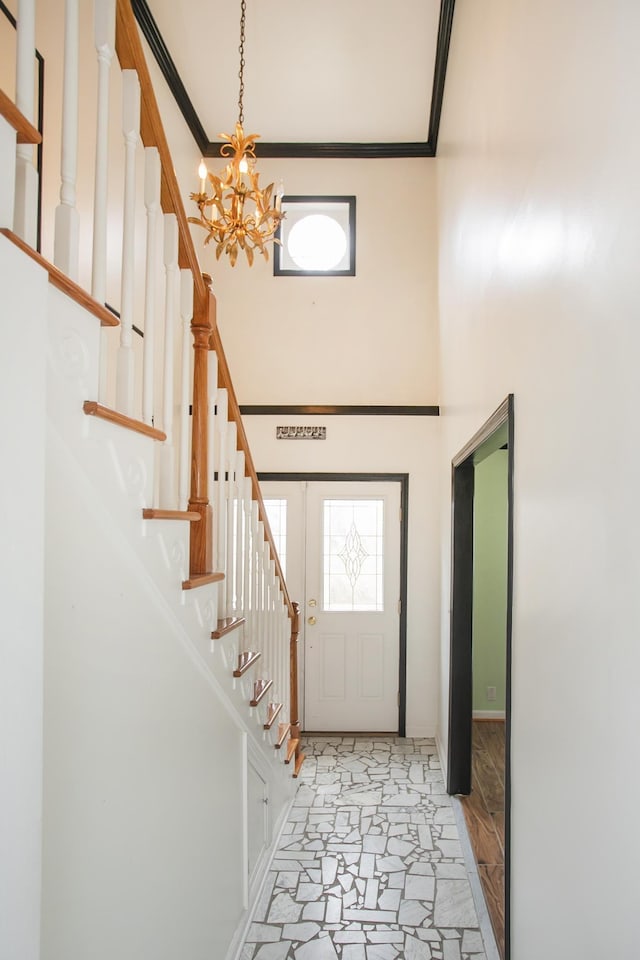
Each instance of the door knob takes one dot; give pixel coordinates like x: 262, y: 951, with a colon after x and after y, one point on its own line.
x: 311, y: 621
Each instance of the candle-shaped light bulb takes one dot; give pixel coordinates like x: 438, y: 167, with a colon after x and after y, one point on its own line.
x: 202, y: 173
x: 243, y: 166
x: 279, y: 195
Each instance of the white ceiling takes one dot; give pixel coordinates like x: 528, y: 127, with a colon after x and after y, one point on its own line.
x: 317, y: 71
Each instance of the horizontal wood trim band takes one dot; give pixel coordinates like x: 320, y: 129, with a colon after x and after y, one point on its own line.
x: 94, y: 409
x: 201, y: 580
x: 260, y: 690
x: 25, y: 130
x: 330, y: 410
x: 245, y: 661
x: 283, y: 733
x: 64, y: 283
x: 272, y: 714
x: 226, y: 626
x: 189, y: 515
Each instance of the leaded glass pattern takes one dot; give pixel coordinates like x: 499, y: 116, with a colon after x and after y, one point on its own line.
x: 353, y: 534
x: 277, y: 517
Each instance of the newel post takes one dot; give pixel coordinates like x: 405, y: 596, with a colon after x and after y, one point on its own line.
x: 204, y: 318
x: 293, y: 670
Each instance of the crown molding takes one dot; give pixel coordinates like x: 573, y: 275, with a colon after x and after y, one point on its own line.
x: 321, y: 151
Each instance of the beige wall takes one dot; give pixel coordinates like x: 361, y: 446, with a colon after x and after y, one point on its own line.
x: 540, y: 213
x: 371, y: 338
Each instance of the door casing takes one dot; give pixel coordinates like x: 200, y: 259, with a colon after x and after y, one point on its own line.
x: 498, y: 427
x: 403, y: 480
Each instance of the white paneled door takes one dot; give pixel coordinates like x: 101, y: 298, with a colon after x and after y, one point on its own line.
x: 342, y: 551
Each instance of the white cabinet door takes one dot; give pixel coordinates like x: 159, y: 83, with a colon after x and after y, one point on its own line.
x: 347, y: 577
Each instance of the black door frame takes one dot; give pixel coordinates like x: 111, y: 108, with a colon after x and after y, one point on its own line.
x: 403, y: 480
x: 485, y: 441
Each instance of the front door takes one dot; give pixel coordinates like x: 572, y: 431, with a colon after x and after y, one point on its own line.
x: 341, y: 546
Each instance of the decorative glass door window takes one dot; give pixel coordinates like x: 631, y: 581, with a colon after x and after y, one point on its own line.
x: 353, y: 549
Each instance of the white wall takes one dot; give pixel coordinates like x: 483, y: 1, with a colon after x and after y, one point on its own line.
x: 22, y: 525
x: 143, y: 831
x: 539, y: 233
x: 381, y: 445
x: 145, y: 732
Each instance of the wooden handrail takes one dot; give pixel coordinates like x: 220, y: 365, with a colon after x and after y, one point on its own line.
x: 131, y: 57
x: 25, y: 130
x: 293, y: 671
x: 224, y: 380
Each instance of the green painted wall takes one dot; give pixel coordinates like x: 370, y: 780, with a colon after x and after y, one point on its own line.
x: 490, y: 581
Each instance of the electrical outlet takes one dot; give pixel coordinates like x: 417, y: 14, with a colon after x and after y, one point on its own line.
x: 491, y: 693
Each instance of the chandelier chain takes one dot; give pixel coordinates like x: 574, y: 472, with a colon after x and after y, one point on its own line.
x: 243, y: 12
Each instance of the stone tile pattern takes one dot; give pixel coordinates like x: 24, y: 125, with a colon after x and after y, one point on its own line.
x: 369, y: 866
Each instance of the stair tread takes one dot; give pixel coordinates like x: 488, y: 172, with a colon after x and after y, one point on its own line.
x: 299, y: 761
x: 94, y: 409
x: 260, y: 689
x: 283, y: 732
x: 226, y: 625
x: 201, y: 580
x: 64, y: 283
x: 292, y: 746
x: 272, y: 712
x: 152, y: 514
x: 245, y: 661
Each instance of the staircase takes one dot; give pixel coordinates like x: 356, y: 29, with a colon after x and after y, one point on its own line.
x: 169, y: 647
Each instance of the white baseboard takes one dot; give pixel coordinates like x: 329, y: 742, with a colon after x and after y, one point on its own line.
x: 489, y: 715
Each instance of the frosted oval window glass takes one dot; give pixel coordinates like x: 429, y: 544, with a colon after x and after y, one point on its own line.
x: 317, y: 242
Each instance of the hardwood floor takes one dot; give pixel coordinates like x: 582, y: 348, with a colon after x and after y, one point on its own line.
x: 484, y: 813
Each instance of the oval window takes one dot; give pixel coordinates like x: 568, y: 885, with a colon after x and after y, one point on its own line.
x: 316, y: 242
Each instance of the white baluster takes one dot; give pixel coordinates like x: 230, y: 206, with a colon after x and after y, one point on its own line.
x: 213, y: 399
x: 152, y: 206
x: 65, y: 246
x: 266, y: 593
x: 104, y: 30
x: 130, y: 130
x: 255, y: 580
x: 186, y: 315
x: 246, y: 551
x: 229, y: 567
x: 284, y: 640
x: 26, y: 198
x: 8, y: 179
x: 220, y: 502
x: 239, y: 533
x: 171, y: 311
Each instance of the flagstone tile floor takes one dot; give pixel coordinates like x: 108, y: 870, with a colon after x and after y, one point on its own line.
x: 369, y: 865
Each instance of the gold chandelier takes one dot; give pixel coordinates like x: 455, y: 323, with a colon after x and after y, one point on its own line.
x: 238, y: 215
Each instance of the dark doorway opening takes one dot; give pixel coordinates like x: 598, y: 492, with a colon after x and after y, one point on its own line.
x: 495, y: 433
